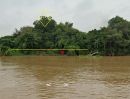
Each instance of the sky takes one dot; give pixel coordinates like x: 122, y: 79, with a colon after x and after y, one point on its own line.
x: 85, y: 14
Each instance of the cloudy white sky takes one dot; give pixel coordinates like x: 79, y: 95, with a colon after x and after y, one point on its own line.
x: 85, y: 14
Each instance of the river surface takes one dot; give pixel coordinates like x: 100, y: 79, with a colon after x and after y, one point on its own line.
x: 62, y: 77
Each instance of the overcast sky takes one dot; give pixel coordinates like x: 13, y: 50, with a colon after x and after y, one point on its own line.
x: 85, y: 14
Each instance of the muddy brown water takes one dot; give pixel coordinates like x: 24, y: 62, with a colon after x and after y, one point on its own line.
x: 62, y: 77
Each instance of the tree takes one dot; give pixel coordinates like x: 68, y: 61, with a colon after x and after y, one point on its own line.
x: 121, y: 25
x: 113, y: 39
x: 44, y: 24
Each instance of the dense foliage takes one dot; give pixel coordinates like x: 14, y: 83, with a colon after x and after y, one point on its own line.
x: 111, y: 40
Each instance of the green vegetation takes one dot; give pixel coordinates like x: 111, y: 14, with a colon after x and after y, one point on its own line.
x: 111, y: 40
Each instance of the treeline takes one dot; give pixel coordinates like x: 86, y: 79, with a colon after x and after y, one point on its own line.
x: 112, y: 40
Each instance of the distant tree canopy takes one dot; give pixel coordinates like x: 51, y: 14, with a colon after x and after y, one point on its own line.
x: 45, y: 34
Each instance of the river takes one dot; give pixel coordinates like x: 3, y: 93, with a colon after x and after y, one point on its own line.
x: 62, y: 77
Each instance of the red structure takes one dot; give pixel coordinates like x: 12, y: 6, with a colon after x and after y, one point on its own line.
x: 62, y: 52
